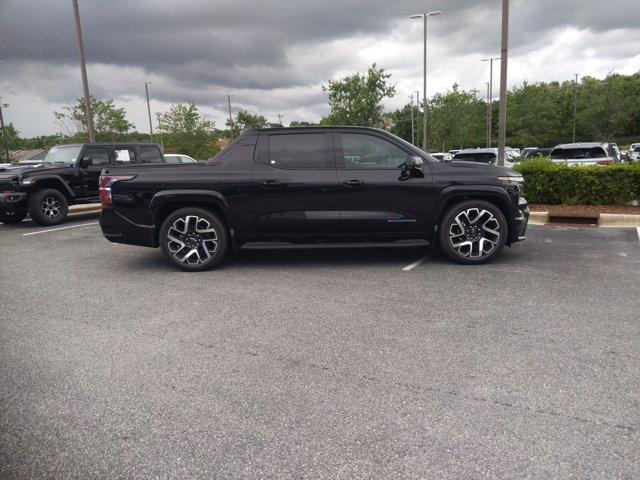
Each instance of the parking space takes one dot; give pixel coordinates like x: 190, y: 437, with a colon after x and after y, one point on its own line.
x: 320, y: 363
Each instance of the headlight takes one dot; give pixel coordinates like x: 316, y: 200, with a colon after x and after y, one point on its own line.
x: 27, y: 182
x: 514, y: 180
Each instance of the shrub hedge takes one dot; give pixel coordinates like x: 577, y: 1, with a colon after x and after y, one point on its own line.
x: 551, y: 183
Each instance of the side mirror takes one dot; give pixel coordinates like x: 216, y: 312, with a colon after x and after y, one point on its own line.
x: 414, y: 162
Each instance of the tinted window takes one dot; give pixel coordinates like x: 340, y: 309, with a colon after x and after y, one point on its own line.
x: 150, y: 155
x: 577, y: 153
x: 95, y: 156
x: 172, y: 159
x: 125, y: 155
x: 482, y: 157
x: 367, y: 151
x: 300, y: 150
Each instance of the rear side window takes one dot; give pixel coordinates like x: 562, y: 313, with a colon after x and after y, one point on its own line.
x: 125, y: 155
x: 171, y: 159
x: 297, y: 151
x: 150, y: 155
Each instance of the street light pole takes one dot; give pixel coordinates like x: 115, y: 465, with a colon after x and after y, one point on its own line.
x: 417, y: 118
x: 490, y: 120
x: 488, y: 126
x: 413, y: 135
x: 4, y: 134
x: 502, y: 111
x: 424, y: 75
x: 146, y: 91
x: 280, y: 119
x: 230, y: 117
x: 575, y: 105
x: 83, y: 70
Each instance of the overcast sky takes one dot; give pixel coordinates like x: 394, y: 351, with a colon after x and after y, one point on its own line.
x: 274, y: 56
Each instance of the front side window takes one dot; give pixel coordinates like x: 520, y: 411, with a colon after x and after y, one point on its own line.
x: 150, y: 155
x: 366, y: 151
x: 297, y: 151
x: 95, y: 156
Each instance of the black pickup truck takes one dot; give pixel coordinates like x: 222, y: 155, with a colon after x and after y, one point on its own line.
x: 68, y: 175
x: 334, y: 186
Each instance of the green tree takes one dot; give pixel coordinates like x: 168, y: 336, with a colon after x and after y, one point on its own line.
x: 455, y: 119
x: 244, y: 120
x: 183, y: 130
x: 298, y: 123
x: 357, y: 99
x: 109, y: 121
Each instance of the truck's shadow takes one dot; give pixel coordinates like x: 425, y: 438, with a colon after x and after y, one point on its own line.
x: 27, y: 224
x: 312, y: 258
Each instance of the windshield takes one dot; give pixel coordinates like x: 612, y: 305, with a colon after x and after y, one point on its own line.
x: 636, y: 149
x: 483, y: 157
x: 570, y: 153
x: 62, y: 154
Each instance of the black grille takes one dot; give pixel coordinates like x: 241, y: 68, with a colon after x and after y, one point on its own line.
x: 8, y: 185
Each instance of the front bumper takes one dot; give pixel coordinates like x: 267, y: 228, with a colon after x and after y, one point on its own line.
x: 119, y: 229
x: 13, y: 200
x: 520, y: 221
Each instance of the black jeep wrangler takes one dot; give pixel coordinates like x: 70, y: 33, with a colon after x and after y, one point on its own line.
x: 68, y: 175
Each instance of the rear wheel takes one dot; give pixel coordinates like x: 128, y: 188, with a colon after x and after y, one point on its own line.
x: 12, y: 216
x: 473, y: 232
x: 48, y: 207
x: 194, y: 239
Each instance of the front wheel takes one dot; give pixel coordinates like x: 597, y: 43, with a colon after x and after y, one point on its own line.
x: 194, y: 239
x: 12, y: 216
x: 48, y: 207
x: 473, y: 232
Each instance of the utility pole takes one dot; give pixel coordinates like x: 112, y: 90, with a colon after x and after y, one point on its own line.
x: 83, y: 70
x: 488, y: 127
x: 146, y: 90
x: 4, y: 134
x: 280, y: 119
x: 417, y: 118
x: 575, y: 105
x: 502, y: 111
x: 425, y: 16
x: 230, y: 117
x: 413, y: 134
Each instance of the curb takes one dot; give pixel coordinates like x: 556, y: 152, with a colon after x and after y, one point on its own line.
x: 604, y: 219
x: 618, y: 220
x: 538, y: 218
x: 87, y: 208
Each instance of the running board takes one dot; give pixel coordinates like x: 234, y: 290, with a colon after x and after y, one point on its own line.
x: 301, y: 246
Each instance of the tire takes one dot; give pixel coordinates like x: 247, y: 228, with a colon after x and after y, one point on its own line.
x: 473, y: 232
x: 12, y: 216
x: 194, y: 239
x: 48, y: 207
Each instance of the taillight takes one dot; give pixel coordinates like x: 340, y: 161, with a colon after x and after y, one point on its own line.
x: 608, y: 161
x: 106, y: 182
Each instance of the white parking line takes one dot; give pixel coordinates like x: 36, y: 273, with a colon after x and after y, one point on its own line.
x: 638, y: 230
x: 411, y: 266
x: 59, y: 228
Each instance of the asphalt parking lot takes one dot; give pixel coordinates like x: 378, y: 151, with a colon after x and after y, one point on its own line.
x: 321, y: 363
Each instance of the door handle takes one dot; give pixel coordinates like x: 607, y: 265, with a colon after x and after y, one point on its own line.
x: 353, y: 183
x: 270, y: 183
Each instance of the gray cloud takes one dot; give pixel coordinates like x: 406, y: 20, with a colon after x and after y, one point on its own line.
x: 273, y: 54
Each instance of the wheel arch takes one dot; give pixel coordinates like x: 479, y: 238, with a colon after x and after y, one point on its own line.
x: 163, y: 203
x: 55, y: 182
x: 492, y: 194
